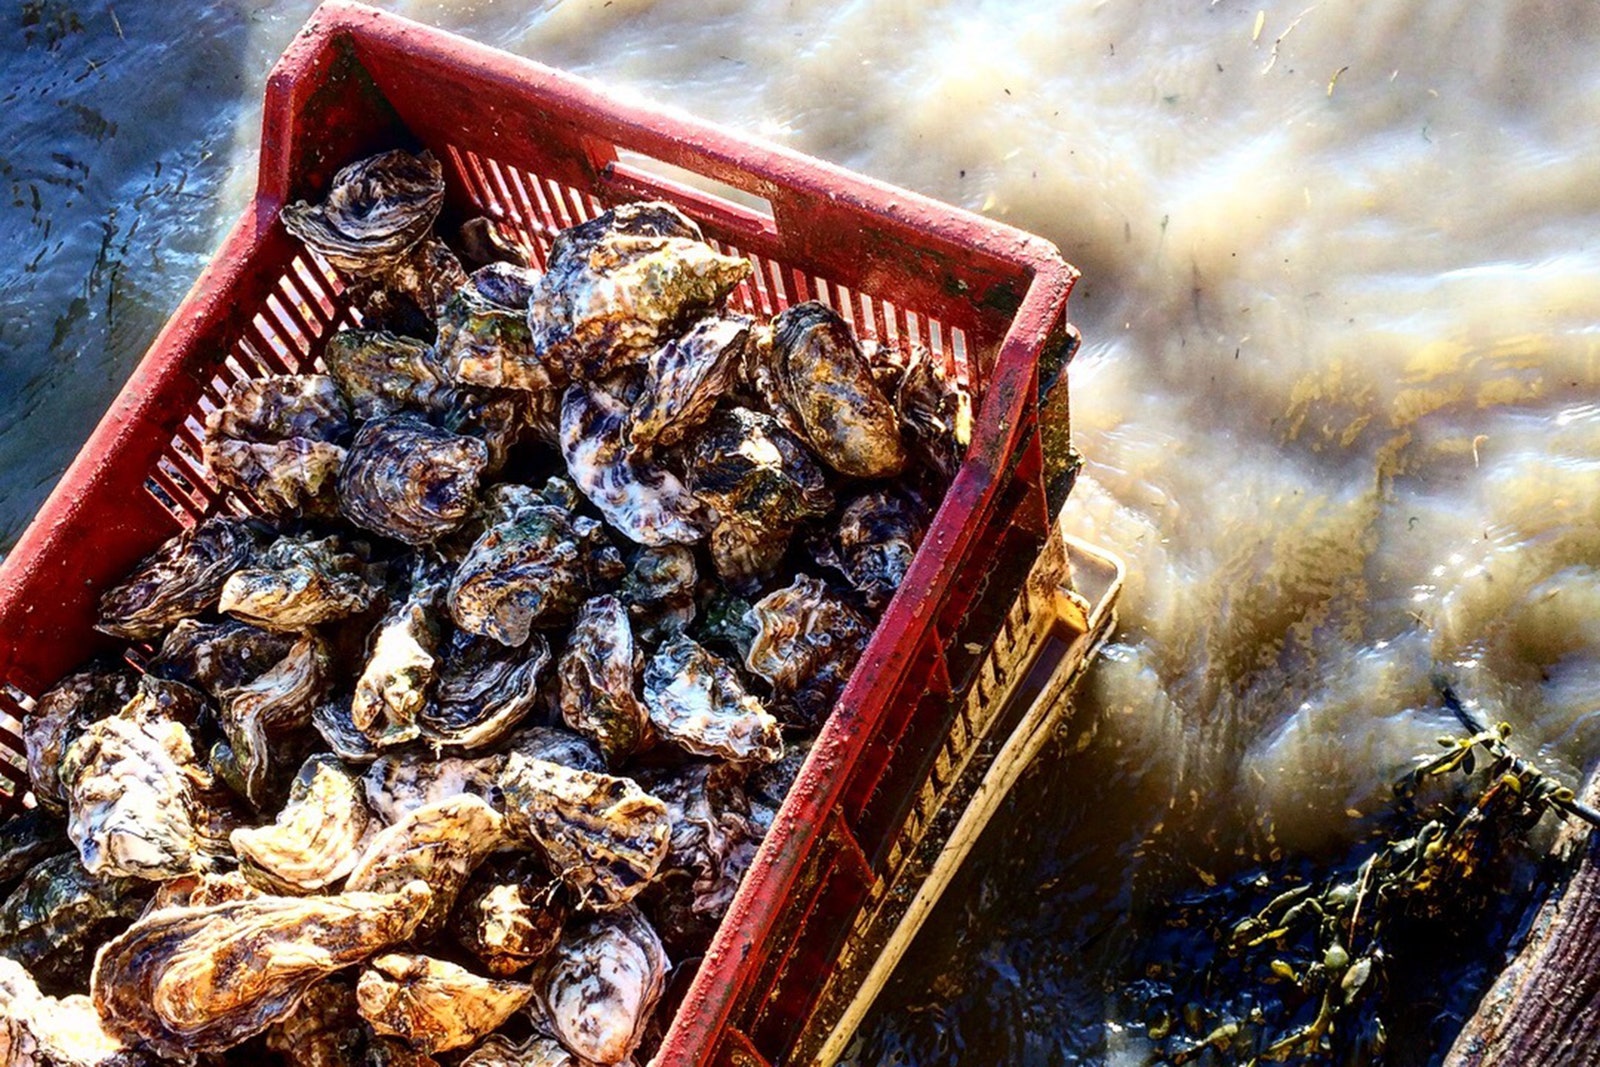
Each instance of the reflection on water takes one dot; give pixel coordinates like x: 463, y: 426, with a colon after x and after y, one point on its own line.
x: 1339, y: 397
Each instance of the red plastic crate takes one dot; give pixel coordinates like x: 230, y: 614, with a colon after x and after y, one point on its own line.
x: 538, y: 150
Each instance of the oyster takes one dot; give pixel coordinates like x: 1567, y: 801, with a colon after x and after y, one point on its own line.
x: 659, y: 591
x: 324, y: 1030
x: 188, y: 980
x: 873, y: 541
x: 410, y: 481
x: 42, y: 1031
x: 59, y: 912
x: 807, y: 643
x: 381, y: 374
x: 497, y: 1050
x: 714, y: 839
x: 497, y: 418
x: 597, y: 681
x: 607, y: 976
x: 401, y: 670
x: 483, y: 333
x: 621, y: 283
x: 201, y: 890
x: 180, y: 579
x: 129, y: 782
x: 219, y: 657
x: 263, y: 718
x: 299, y: 583
x: 441, y: 843
x: 397, y: 785
x: 27, y: 839
x: 818, y: 381
x: 762, y: 483
x: 434, y: 1005
x: 603, y: 836
x: 338, y: 731
x: 646, y: 502
x: 696, y: 701
x: 935, y: 412
x: 376, y: 210
x: 557, y: 745
x: 407, y: 297
x: 529, y: 570
x: 277, y: 438
x: 485, y: 690
x: 483, y: 241
x: 685, y: 378
x: 316, y: 838
x: 511, y: 916
x: 60, y: 716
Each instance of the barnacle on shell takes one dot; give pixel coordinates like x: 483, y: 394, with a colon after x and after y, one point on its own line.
x: 411, y: 481
x: 180, y: 579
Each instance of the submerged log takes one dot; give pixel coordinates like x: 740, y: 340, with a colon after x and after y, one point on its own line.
x: 1545, y: 1006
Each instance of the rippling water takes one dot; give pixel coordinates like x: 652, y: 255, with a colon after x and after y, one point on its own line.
x: 1339, y: 396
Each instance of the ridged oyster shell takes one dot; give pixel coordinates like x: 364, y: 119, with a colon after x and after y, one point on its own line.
x: 497, y: 1050
x: 511, y: 915
x: 696, y: 700
x: 180, y: 579
x: 401, y: 670
x: 434, y: 1005
x: 603, y: 836
x: 485, y: 690
x: 528, y: 570
x: 872, y: 542
x: 605, y: 979
x: 59, y: 912
x: 484, y: 338
x: 659, y: 590
x: 219, y: 657
x: 381, y: 374
x: 277, y: 438
x: 316, y: 839
x: 43, y: 1031
x: 324, y: 1030
x: 187, y: 980
x: 298, y: 583
x: 263, y: 719
x: 598, y: 679
x: 685, y: 378
x: 376, y: 210
x: 60, y: 716
x: 714, y: 838
x: 440, y: 843
x: 807, y: 643
x: 409, y: 480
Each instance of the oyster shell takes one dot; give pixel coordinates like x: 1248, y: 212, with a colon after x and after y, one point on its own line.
x: 434, y: 1005
x: 498, y: 418
x: 219, y: 657
x: 696, y: 701
x: 762, y: 483
x: 180, y: 579
x: 299, y: 583
x: 187, y: 980
x: 528, y: 570
x: 441, y: 843
x: 410, y: 481
x: 714, y: 838
x: 557, y: 745
x: 512, y: 916
x: 401, y: 670
x: 935, y: 412
x: 262, y: 718
x: 281, y: 407
x: 42, y: 1031
x: 606, y: 978
x: 376, y: 210
x: 484, y: 338
x: 338, y: 731
x: 603, y: 836
x: 397, y: 785
x: 382, y: 374
x: 58, y: 914
x: 485, y: 690
x: 597, y: 681
x: 483, y: 241
x: 873, y: 542
x: 129, y: 782
x: 659, y: 590
x: 276, y: 438
x: 316, y: 838
x: 621, y: 283
x: 807, y: 643
x: 324, y: 1030
x: 27, y: 839
x: 59, y: 716
x: 685, y: 378
x: 407, y: 298
x: 497, y: 1050
x: 818, y: 381
x: 201, y: 890
x: 645, y: 501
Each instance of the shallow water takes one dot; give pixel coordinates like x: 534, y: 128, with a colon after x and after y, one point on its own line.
x: 1339, y: 395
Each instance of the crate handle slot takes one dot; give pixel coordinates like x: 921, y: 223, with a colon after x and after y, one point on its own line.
x: 645, y: 176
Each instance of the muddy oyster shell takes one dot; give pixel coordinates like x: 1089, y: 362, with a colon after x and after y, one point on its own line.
x: 434, y: 1005
x: 685, y: 378
x: 603, y: 836
x: 316, y: 838
x: 60, y: 716
x: 484, y: 338
x: 129, y: 782
x: 485, y: 690
x: 42, y: 1031
x: 818, y: 381
x: 376, y: 210
x: 381, y: 374
x: 872, y: 542
x: 398, y: 680
x: 188, y: 980
x: 762, y: 483
x: 277, y: 439
x: 59, y: 912
x: 180, y: 579
x: 299, y: 583
x: 621, y: 283
x: 529, y: 570
x: 261, y: 718
x: 219, y: 657
x: 597, y: 681
x: 511, y: 916
x: 807, y: 643
x: 497, y: 1050
x: 410, y: 481
x: 696, y: 701
x: 607, y: 976
x: 714, y: 839
x: 398, y: 784
x: 645, y: 501
x: 441, y: 843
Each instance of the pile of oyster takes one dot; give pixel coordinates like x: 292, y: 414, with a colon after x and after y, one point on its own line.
x: 478, y: 723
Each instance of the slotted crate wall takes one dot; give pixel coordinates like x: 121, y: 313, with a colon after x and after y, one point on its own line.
x: 538, y: 151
